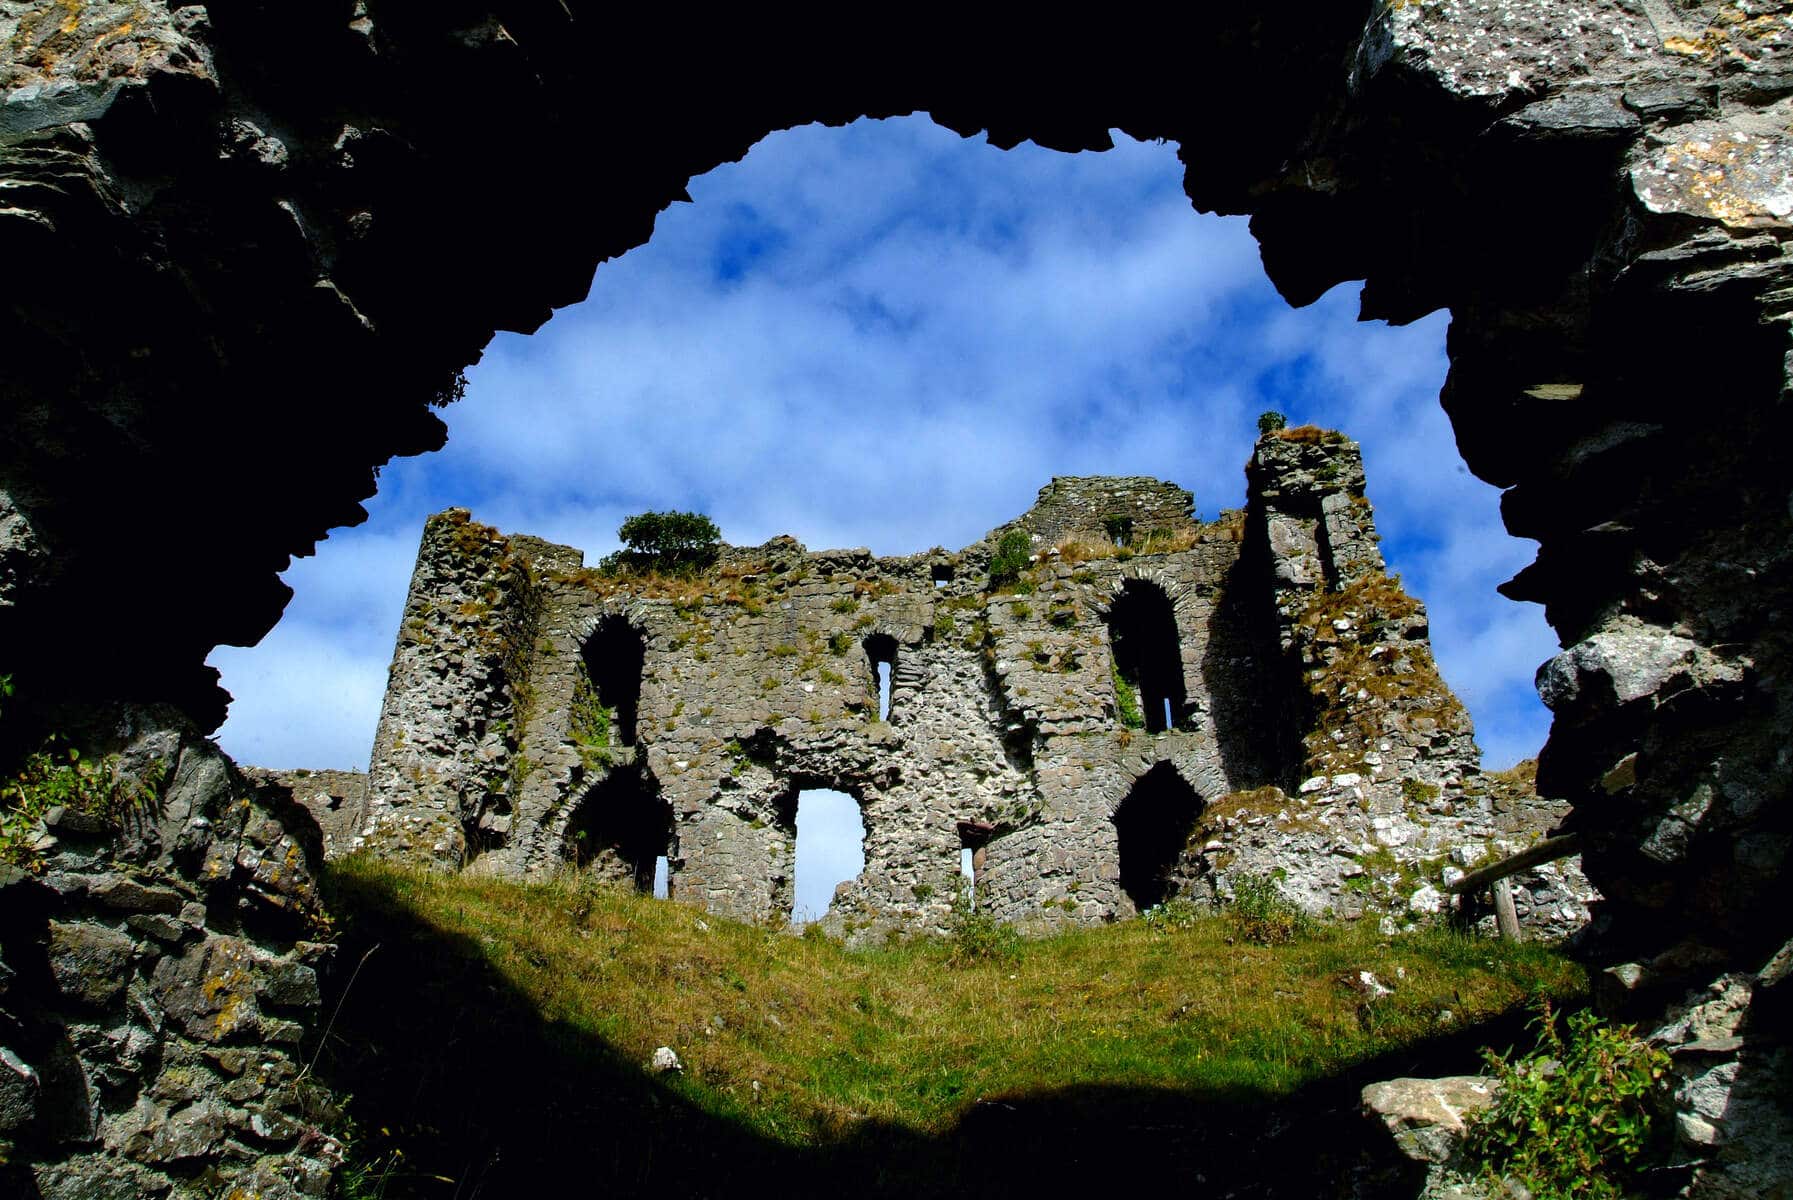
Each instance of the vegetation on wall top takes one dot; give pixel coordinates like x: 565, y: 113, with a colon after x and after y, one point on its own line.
x: 666, y: 541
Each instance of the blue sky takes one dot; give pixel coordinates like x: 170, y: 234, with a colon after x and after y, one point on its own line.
x: 887, y: 336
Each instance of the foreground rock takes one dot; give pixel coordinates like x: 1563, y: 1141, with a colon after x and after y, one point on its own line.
x: 158, y: 985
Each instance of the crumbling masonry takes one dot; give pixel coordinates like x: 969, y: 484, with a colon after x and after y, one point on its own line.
x: 1154, y: 702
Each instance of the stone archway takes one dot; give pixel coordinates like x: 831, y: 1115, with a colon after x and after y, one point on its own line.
x: 1152, y: 826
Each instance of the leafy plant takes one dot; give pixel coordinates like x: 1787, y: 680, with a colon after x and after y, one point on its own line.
x: 974, y: 935
x: 1126, y: 701
x: 666, y: 541
x: 1012, y: 555
x: 1578, y: 1116
x: 58, y: 777
x: 590, y: 724
x: 1178, y: 913
x: 1264, y: 915
x: 449, y: 392
x: 1271, y: 421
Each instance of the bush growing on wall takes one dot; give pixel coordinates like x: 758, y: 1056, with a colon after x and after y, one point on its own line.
x: 1270, y: 422
x: 1011, y: 558
x: 666, y: 541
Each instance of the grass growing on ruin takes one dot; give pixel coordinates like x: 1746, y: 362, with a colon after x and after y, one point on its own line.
x: 798, y: 1040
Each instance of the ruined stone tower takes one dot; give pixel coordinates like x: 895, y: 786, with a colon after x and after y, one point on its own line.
x: 1152, y: 702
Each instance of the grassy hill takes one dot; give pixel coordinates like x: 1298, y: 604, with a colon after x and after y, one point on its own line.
x: 496, y: 1043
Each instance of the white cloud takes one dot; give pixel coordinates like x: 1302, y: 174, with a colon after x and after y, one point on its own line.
x: 884, y: 335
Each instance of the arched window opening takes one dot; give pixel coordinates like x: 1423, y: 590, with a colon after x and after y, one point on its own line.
x: 1152, y: 826
x: 1148, y: 660
x: 622, y: 830
x: 613, y: 658
x: 830, y: 850
x: 881, y: 651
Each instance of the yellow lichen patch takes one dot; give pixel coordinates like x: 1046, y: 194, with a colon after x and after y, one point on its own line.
x: 1738, y: 180
x: 1732, y: 32
x: 1363, y: 686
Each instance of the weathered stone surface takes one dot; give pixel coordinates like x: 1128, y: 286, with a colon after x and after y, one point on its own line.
x: 336, y: 801
x: 1425, y: 1116
x: 114, y: 988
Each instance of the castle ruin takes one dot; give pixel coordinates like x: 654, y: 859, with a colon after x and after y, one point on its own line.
x: 1152, y: 702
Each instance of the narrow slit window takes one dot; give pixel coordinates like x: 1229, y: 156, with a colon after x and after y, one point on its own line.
x: 662, y: 878
x: 881, y: 651
x: 968, y: 871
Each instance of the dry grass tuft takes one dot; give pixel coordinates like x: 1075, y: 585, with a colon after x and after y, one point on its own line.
x: 1312, y: 434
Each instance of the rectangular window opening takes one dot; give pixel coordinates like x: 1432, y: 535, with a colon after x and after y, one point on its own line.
x: 968, y: 870
x: 662, y: 879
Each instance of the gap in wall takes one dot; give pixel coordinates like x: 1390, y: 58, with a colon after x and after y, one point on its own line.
x: 830, y: 850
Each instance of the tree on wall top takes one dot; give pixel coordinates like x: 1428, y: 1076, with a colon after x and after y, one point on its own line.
x: 666, y: 541
x: 1270, y: 422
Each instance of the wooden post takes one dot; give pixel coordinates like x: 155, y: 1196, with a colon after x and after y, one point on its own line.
x: 1505, y: 915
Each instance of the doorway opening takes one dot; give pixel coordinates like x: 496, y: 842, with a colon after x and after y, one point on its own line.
x: 1142, y: 629
x: 1152, y: 827
x: 830, y: 850
x: 613, y: 658
x: 622, y: 830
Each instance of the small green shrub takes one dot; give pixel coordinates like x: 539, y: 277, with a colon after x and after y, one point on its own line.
x: 1179, y: 913
x: 1271, y: 421
x: 1416, y: 791
x: 1264, y: 915
x: 589, y: 724
x: 1579, y: 1116
x: 974, y: 936
x: 1012, y: 555
x: 845, y: 604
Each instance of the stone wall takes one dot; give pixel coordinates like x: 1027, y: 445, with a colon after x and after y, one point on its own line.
x: 336, y: 801
x: 158, y: 981
x: 1016, y: 728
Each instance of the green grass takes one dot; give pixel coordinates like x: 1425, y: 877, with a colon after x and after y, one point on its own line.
x: 908, y: 1040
